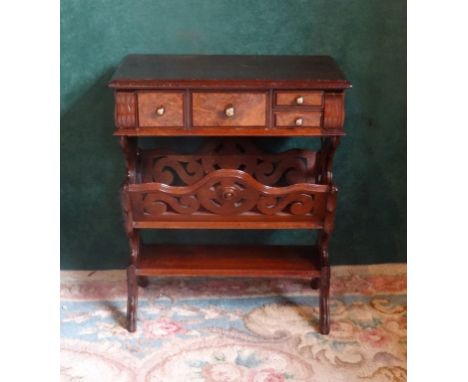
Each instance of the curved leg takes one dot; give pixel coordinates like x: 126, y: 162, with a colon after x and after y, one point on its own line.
x: 132, y: 298
x: 130, y: 149
x: 329, y: 146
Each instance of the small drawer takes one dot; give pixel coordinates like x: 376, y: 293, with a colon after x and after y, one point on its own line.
x: 229, y: 109
x: 298, y: 98
x: 298, y: 119
x: 161, y: 109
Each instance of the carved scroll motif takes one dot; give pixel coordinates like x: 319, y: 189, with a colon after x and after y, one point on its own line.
x: 290, y: 167
x: 226, y: 193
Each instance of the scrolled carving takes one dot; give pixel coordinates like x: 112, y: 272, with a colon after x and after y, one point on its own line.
x: 299, y: 204
x: 290, y: 167
x: 165, y: 169
x: 227, y: 196
x: 227, y: 193
x: 158, y: 203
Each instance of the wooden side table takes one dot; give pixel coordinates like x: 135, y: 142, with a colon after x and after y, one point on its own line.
x: 229, y: 183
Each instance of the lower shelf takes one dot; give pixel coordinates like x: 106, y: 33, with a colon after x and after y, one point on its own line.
x: 241, y: 261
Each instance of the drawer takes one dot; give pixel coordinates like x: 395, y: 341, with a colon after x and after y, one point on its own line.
x: 298, y: 119
x: 299, y: 98
x: 229, y: 109
x: 161, y: 109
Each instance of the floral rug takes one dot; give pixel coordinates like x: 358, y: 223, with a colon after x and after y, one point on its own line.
x: 235, y: 330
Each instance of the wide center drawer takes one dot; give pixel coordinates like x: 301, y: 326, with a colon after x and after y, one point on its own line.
x: 229, y: 109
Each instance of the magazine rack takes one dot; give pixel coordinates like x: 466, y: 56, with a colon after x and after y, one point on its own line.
x: 229, y: 183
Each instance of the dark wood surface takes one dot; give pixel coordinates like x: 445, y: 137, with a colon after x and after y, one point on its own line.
x: 251, y: 95
x: 221, y: 71
x: 228, y: 195
x: 229, y: 183
x: 216, y: 131
x: 240, y: 261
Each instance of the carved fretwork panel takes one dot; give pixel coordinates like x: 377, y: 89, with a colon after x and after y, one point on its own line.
x: 290, y: 167
x: 227, y: 193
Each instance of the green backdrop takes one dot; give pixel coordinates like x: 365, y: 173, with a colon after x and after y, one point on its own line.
x: 366, y: 37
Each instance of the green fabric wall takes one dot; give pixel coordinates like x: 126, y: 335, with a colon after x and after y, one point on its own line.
x: 366, y: 37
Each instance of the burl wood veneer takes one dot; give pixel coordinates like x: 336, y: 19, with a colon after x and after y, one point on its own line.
x: 229, y: 183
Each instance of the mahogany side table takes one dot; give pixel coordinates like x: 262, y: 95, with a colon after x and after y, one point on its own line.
x: 229, y: 183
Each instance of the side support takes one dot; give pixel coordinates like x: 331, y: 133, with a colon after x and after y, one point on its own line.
x: 130, y: 149
x: 329, y: 146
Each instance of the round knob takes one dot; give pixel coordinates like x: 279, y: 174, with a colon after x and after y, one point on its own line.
x: 299, y: 121
x: 160, y: 110
x: 228, y: 193
x: 300, y: 100
x: 229, y: 111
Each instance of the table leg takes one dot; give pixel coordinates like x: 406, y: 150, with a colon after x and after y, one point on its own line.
x: 132, y: 300
x: 324, y: 293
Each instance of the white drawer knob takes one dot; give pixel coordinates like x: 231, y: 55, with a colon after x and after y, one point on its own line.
x: 229, y: 111
x: 160, y: 110
x: 300, y: 100
x: 299, y: 121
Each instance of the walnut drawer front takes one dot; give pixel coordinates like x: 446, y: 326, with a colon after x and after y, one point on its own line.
x: 161, y: 109
x: 229, y: 109
x: 298, y: 119
x: 299, y: 98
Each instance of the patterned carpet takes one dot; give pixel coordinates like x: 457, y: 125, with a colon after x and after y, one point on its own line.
x: 235, y: 330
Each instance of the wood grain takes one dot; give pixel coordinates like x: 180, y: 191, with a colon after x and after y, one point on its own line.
x: 209, y: 109
x: 290, y: 98
x: 334, y: 112
x: 289, y: 118
x: 242, y: 260
x: 171, y: 102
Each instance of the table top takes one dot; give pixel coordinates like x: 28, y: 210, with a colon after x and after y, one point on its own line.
x: 175, y: 71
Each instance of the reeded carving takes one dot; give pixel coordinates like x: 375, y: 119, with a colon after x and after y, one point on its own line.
x: 125, y: 109
x: 293, y: 166
x: 226, y: 193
